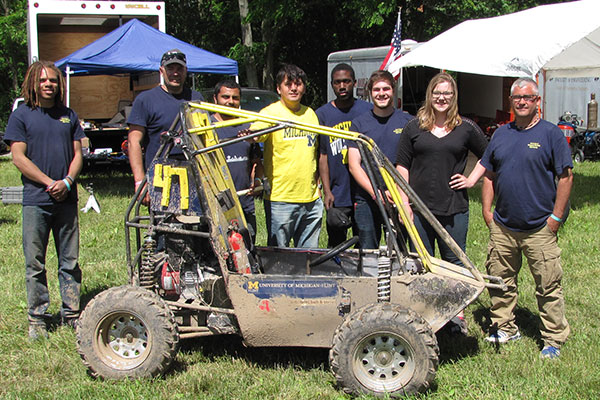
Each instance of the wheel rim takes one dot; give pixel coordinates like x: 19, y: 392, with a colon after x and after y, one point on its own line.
x: 122, y: 340
x: 383, y: 362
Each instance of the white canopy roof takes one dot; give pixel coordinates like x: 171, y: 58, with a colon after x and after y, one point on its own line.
x: 564, y: 36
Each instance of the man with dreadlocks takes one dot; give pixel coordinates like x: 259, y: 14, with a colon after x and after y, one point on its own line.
x: 45, y: 139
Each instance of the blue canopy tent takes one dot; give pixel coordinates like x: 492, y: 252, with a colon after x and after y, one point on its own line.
x: 136, y: 47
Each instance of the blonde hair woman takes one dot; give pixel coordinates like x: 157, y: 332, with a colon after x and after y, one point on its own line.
x: 432, y: 156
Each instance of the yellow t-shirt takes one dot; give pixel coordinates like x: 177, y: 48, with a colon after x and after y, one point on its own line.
x: 290, y: 156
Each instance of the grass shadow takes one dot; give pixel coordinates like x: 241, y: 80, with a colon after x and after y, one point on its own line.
x: 454, y: 347
x: 214, y: 347
x: 527, y: 322
x: 9, y: 220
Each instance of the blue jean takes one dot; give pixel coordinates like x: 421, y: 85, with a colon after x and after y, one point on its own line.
x: 368, y: 222
x: 456, y: 225
x: 298, y: 221
x: 38, y: 222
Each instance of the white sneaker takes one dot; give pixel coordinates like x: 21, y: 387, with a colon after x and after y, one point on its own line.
x: 502, y: 337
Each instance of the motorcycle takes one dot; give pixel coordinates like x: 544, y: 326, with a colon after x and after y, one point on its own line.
x: 584, y: 143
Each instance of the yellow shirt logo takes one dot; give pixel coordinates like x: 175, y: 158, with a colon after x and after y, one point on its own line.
x: 534, y: 145
x: 398, y: 131
x: 65, y: 120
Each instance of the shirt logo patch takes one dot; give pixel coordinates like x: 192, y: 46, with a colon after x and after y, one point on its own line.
x: 398, y: 131
x: 534, y: 145
x: 65, y: 120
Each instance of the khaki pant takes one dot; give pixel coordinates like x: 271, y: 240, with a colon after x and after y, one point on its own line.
x: 543, y: 256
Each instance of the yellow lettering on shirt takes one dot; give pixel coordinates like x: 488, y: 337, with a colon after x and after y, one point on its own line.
x: 534, y: 145
x: 343, y: 125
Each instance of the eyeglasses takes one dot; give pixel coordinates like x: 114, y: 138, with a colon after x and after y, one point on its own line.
x: 530, y: 98
x: 437, y: 95
x: 171, y: 55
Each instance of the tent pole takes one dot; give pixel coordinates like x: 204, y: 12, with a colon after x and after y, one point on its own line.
x: 543, y: 102
x: 68, y: 86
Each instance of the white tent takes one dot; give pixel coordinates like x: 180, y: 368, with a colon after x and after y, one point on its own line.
x: 564, y: 36
x: 558, y: 43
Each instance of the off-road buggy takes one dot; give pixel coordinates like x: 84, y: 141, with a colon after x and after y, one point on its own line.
x: 194, y: 272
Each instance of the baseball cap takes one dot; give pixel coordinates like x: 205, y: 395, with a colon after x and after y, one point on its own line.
x: 174, y: 56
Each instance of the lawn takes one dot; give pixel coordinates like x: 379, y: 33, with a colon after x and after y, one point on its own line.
x: 222, y: 368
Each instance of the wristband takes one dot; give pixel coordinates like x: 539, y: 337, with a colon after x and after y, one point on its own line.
x: 554, y: 217
x: 67, y: 184
x: 69, y: 177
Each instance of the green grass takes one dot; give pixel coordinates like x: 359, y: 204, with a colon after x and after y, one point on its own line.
x: 221, y: 368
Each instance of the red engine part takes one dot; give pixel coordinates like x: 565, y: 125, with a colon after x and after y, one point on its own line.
x: 568, y: 131
x: 125, y: 147
x: 236, y: 240
x: 169, y: 280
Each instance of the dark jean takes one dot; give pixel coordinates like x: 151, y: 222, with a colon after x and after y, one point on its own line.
x: 38, y: 222
x: 368, y: 222
x: 456, y: 225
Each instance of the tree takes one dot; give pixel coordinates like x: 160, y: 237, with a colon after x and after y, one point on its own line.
x: 13, y: 52
x: 248, y: 44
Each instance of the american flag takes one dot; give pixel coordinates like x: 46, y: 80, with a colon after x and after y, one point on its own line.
x: 394, y: 52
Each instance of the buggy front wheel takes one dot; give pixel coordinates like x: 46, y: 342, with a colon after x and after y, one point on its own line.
x: 384, y: 348
x: 127, y: 332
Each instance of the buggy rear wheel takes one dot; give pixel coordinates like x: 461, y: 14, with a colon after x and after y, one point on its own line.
x: 127, y: 332
x: 384, y: 348
x: 578, y: 156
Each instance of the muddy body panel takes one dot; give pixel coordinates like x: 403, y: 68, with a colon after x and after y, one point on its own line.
x: 293, y: 304
x: 280, y: 310
x: 283, y: 310
x: 437, y: 299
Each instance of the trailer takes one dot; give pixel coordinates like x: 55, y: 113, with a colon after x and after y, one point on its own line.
x: 57, y: 28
